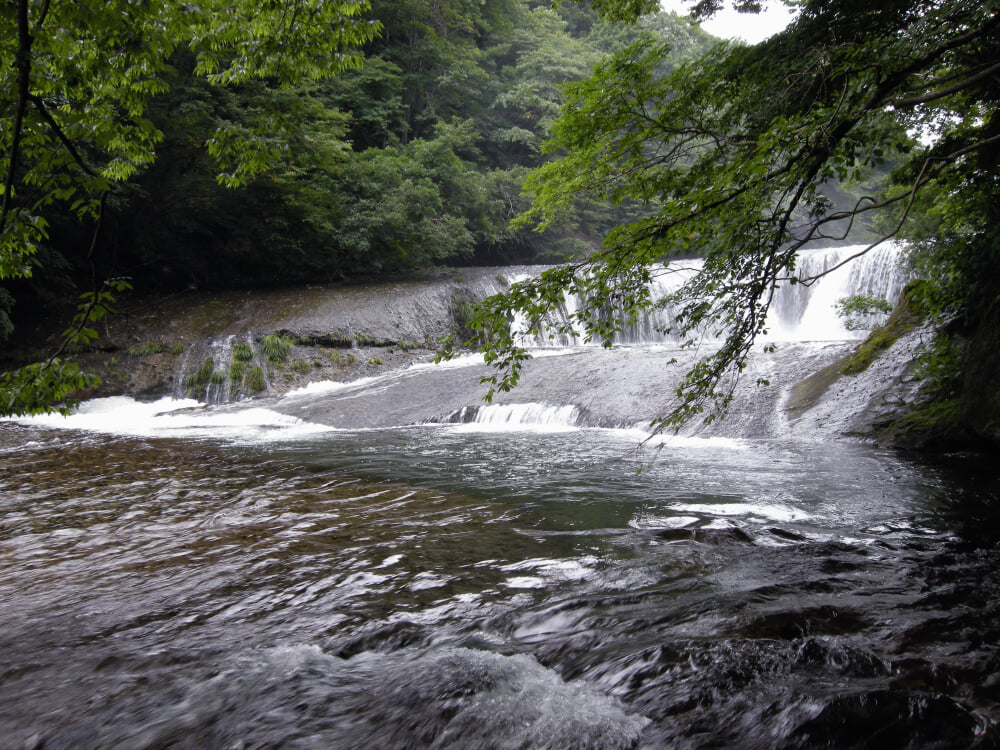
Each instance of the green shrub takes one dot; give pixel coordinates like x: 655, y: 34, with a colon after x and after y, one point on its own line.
x: 242, y: 352
x: 254, y: 381
x: 277, y: 347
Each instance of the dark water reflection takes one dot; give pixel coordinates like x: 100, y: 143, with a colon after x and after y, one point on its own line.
x: 433, y: 587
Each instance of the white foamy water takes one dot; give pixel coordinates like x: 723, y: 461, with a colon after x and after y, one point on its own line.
x: 168, y: 417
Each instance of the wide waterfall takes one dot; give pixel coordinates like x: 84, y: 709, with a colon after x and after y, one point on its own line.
x: 389, y: 562
x: 799, y: 311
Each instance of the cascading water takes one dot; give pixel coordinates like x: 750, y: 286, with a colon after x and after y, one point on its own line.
x: 390, y: 563
x: 808, y: 311
x: 798, y: 312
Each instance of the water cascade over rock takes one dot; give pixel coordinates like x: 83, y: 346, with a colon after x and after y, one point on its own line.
x: 569, y: 383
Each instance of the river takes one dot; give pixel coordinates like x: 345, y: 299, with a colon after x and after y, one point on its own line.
x: 285, y: 574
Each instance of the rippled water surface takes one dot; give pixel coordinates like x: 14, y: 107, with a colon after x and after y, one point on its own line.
x: 441, y: 587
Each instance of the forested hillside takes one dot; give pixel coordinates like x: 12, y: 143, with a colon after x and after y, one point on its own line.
x: 415, y: 157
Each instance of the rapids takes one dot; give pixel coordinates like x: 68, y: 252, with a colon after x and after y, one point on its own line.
x: 390, y: 563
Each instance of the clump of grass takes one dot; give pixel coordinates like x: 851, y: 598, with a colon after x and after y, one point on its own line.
x: 342, y: 340
x: 300, y: 366
x: 242, y: 352
x: 196, y: 381
x: 203, y: 374
x: 146, y: 350
x: 254, y: 380
x: 336, y: 357
x: 218, y: 377
x: 237, y: 371
x: 374, y: 361
x: 155, y: 347
x: 277, y: 347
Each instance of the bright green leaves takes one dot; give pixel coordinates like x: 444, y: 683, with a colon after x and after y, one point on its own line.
x: 285, y: 42
x: 43, y: 387
x: 733, y: 155
x: 93, y: 307
x: 87, y: 72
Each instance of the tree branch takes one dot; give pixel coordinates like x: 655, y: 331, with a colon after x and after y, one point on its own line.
x: 61, y: 136
x: 23, y: 65
x: 948, y: 91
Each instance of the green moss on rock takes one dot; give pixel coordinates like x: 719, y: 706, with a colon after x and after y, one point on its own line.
x: 909, y: 313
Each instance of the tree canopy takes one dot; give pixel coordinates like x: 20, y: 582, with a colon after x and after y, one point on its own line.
x: 76, y: 83
x: 731, y: 152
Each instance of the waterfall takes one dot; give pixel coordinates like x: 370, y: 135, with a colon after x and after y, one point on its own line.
x: 807, y: 312
x: 798, y: 312
x: 499, y: 417
x: 222, y: 369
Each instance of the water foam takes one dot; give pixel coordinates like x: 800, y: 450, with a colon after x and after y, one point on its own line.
x: 169, y: 417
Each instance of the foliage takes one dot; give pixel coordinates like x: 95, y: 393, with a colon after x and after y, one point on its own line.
x: 6, y: 308
x: 78, y: 78
x: 277, y: 347
x: 76, y: 83
x: 43, y: 387
x: 94, y: 306
x: 731, y: 152
x: 862, y: 312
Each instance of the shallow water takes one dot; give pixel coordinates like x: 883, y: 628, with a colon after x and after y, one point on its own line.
x: 461, y: 586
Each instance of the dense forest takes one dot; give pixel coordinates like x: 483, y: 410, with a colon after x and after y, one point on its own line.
x: 416, y: 156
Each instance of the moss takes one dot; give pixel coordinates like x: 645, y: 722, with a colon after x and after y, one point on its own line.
x: 908, y: 313
x: 806, y: 393
x: 931, y: 425
x: 934, y: 417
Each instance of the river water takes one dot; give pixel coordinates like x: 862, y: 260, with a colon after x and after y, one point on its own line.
x: 284, y: 574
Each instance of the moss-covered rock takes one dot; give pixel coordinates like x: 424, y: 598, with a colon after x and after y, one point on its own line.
x: 908, y: 314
